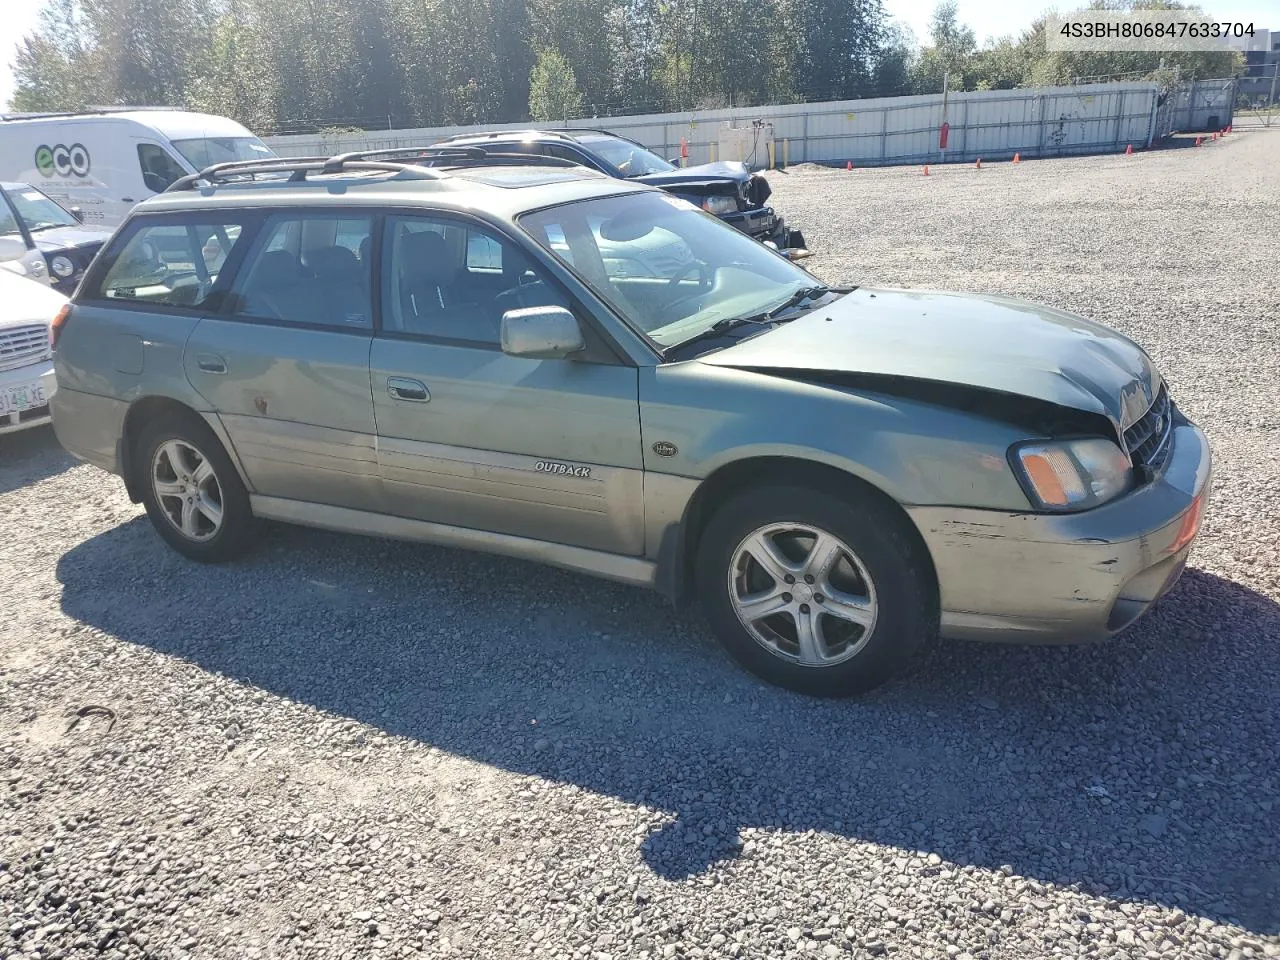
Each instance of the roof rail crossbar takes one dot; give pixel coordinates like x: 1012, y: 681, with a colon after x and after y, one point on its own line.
x: 298, y: 168
x: 444, y: 157
x: 506, y: 135
x: 389, y: 152
x: 497, y: 159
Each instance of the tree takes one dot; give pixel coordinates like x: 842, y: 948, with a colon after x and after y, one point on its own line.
x: 553, y: 89
x: 950, y: 53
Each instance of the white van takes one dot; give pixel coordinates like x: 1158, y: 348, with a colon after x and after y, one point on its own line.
x: 100, y: 163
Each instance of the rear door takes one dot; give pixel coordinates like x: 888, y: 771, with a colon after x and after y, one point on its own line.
x: 469, y: 436
x: 285, y: 363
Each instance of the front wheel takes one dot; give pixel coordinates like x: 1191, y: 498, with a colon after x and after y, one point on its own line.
x: 820, y: 594
x: 191, y: 490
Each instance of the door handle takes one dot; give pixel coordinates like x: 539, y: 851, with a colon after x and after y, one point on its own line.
x: 402, y: 388
x: 128, y: 200
x: 211, y: 364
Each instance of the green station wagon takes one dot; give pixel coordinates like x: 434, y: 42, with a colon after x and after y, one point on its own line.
x: 540, y: 361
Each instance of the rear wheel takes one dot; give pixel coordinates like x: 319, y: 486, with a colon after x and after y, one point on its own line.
x: 817, y: 593
x: 191, y: 490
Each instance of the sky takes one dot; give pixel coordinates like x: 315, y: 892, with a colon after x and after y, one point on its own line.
x: 995, y: 18
x: 988, y: 18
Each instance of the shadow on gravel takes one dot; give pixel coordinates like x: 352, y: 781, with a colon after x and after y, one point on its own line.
x: 29, y: 456
x: 1142, y: 769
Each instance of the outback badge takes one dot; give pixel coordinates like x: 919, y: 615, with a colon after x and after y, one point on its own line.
x: 566, y: 469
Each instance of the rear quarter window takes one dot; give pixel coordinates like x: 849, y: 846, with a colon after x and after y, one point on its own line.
x: 172, y: 264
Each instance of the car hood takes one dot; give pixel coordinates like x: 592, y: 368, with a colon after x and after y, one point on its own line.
x: 988, y: 342
x: 26, y: 301
x: 703, y: 173
x: 61, y: 238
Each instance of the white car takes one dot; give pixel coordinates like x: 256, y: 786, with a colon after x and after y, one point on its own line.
x: 26, y: 360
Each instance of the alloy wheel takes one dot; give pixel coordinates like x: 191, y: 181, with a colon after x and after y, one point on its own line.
x: 187, y: 490
x: 803, y: 594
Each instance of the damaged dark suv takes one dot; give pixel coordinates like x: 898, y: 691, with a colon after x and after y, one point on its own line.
x: 727, y: 189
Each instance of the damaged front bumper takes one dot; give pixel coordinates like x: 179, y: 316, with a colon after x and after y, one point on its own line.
x: 1068, y: 578
x: 764, y: 225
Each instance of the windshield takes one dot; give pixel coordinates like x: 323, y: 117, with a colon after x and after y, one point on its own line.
x: 38, y: 211
x: 668, y: 268
x: 205, y: 151
x: 630, y: 159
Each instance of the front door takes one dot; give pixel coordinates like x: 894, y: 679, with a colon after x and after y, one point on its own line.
x: 286, y: 364
x: 469, y: 436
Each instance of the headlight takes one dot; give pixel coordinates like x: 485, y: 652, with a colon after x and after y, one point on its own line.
x: 1072, y: 474
x: 720, y: 205
x: 62, y: 266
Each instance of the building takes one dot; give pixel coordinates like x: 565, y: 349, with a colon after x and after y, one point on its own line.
x: 1259, y: 79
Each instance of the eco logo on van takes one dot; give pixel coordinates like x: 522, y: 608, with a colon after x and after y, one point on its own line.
x: 72, y: 161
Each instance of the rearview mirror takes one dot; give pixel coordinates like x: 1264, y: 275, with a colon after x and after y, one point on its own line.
x: 626, y: 227
x: 12, y: 248
x: 77, y: 213
x: 541, y: 333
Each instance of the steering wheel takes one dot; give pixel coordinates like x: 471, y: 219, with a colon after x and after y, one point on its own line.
x: 704, y: 275
x: 705, y: 280
x: 521, y: 292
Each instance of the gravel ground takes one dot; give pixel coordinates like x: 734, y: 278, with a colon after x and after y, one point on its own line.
x: 344, y: 747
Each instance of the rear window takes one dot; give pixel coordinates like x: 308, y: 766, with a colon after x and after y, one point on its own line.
x: 170, y: 264
x: 310, y: 269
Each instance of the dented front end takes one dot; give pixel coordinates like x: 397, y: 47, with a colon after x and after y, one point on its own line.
x: 735, y: 195
x: 1038, y: 578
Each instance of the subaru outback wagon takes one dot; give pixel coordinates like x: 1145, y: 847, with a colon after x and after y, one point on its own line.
x: 491, y: 353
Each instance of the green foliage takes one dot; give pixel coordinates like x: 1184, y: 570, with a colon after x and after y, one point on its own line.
x: 1006, y: 62
x: 301, y: 65
x: 553, y: 90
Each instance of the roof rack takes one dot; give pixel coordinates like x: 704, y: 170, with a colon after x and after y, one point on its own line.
x: 611, y: 133
x: 506, y: 135
x: 422, y: 163
x: 92, y: 111
x: 438, y: 157
x: 297, y: 167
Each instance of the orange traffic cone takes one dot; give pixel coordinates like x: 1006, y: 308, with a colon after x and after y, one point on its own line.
x: 926, y: 169
x: 849, y: 165
x: 1197, y: 141
x: 1128, y: 151
x: 1215, y: 135
x: 1017, y: 158
x: 978, y: 165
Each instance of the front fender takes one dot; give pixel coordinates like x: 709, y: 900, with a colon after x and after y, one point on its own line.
x: 914, y: 452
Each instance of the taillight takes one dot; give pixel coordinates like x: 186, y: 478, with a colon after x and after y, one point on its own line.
x: 55, y: 328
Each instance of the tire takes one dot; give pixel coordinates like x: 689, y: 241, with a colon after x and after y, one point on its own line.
x: 204, y: 477
x: 871, y: 608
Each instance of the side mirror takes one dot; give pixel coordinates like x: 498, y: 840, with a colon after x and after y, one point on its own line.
x: 541, y: 333
x: 77, y: 213
x: 12, y: 248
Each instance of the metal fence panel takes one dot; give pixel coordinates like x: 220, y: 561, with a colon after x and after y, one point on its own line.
x: 1049, y: 121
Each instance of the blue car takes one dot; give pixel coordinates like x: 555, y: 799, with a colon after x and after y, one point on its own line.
x: 726, y: 188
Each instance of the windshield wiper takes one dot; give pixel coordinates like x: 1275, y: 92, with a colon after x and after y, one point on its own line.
x: 765, y: 319
x: 45, y: 226
x: 797, y: 298
x: 722, y: 325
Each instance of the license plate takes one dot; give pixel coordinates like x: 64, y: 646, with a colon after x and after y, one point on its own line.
x: 21, y: 398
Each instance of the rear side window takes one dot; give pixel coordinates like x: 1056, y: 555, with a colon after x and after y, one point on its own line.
x: 171, y: 264
x: 310, y: 270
